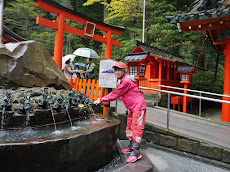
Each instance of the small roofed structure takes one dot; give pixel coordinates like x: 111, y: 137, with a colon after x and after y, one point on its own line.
x: 152, y: 66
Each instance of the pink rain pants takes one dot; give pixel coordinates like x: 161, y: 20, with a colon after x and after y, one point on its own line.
x: 135, y: 125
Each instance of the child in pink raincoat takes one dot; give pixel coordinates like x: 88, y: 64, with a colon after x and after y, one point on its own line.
x: 135, y: 102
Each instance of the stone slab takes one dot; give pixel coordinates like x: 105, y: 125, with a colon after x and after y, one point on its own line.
x: 142, y: 165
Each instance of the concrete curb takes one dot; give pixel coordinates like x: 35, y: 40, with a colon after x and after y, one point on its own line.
x: 166, y: 138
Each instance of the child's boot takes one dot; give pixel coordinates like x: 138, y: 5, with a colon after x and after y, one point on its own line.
x: 135, y: 154
x: 129, y: 149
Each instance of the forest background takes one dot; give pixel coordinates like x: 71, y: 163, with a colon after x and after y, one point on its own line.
x: 195, y: 48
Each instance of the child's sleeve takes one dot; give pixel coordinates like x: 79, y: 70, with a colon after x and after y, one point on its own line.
x: 116, y: 94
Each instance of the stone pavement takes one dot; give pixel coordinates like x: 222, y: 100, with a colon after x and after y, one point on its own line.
x: 210, y: 131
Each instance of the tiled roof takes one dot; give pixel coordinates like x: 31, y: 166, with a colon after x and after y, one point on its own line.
x: 158, y: 52
x: 135, y: 57
x: 203, y: 9
x: 185, y: 68
x: 12, y: 35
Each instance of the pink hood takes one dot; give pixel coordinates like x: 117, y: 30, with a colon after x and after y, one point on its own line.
x: 130, y: 94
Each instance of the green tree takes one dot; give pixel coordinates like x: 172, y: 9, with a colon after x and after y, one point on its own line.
x: 20, y: 17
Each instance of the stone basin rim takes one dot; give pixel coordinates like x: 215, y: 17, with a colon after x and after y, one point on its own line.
x: 63, y: 137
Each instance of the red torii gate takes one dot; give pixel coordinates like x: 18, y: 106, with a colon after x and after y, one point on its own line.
x: 88, y: 32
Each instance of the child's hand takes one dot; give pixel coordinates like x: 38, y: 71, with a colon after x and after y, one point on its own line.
x: 96, y: 102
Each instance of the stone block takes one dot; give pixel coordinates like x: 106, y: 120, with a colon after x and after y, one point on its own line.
x: 29, y: 64
x: 190, y: 146
x: 152, y: 137
x: 226, y: 156
x: 210, y: 151
x: 122, y: 128
x: 168, y: 141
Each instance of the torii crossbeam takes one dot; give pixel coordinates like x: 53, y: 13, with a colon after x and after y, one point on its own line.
x: 88, y: 32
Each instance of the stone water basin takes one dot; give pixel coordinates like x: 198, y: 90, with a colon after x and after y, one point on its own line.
x: 87, y: 146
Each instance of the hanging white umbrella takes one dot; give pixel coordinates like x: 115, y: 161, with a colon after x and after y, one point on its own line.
x: 67, y: 57
x: 86, y: 52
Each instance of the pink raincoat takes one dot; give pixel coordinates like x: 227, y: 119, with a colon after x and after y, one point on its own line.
x: 128, y: 91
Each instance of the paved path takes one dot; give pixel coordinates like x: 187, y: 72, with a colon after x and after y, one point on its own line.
x: 166, y: 161
x: 191, y: 125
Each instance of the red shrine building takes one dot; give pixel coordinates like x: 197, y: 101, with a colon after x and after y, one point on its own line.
x: 213, y: 17
x: 152, y: 67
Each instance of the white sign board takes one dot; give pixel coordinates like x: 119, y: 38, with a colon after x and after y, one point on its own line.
x: 107, y: 78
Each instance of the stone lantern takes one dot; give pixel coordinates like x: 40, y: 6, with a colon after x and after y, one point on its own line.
x: 186, y: 73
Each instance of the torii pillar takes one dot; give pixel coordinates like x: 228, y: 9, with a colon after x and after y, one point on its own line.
x: 226, y: 107
x: 59, y: 39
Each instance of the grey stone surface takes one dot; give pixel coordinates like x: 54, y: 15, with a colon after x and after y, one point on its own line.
x: 122, y: 128
x: 210, y: 151
x: 188, y: 145
x: 141, y: 165
x: 29, y: 64
x: 151, y: 136
x: 168, y: 141
x: 226, y: 156
x: 167, y: 160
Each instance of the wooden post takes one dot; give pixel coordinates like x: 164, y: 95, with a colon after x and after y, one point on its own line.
x: 160, y: 72
x: 226, y: 107
x: 105, y: 108
x: 168, y: 74
x: 108, y: 45
x: 168, y: 71
x: 185, y: 99
x: 107, y: 56
x: 59, y: 38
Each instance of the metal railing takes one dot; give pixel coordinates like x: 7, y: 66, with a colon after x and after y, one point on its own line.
x: 182, y: 94
x: 195, y: 91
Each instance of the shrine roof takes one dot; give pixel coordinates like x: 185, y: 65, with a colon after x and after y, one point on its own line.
x: 9, y: 34
x: 185, y: 68
x: 119, y: 28
x: 135, y: 57
x: 152, y: 51
x: 203, y: 9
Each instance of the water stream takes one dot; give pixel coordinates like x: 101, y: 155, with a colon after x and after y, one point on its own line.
x: 71, y: 124
x: 27, y: 118
x: 2, y: 121
x: 55, y: 126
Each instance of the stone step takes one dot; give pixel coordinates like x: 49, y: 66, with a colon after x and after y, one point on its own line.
x: 141, y: 165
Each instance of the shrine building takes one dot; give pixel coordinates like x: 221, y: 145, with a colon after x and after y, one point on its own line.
x: 152, y: 66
